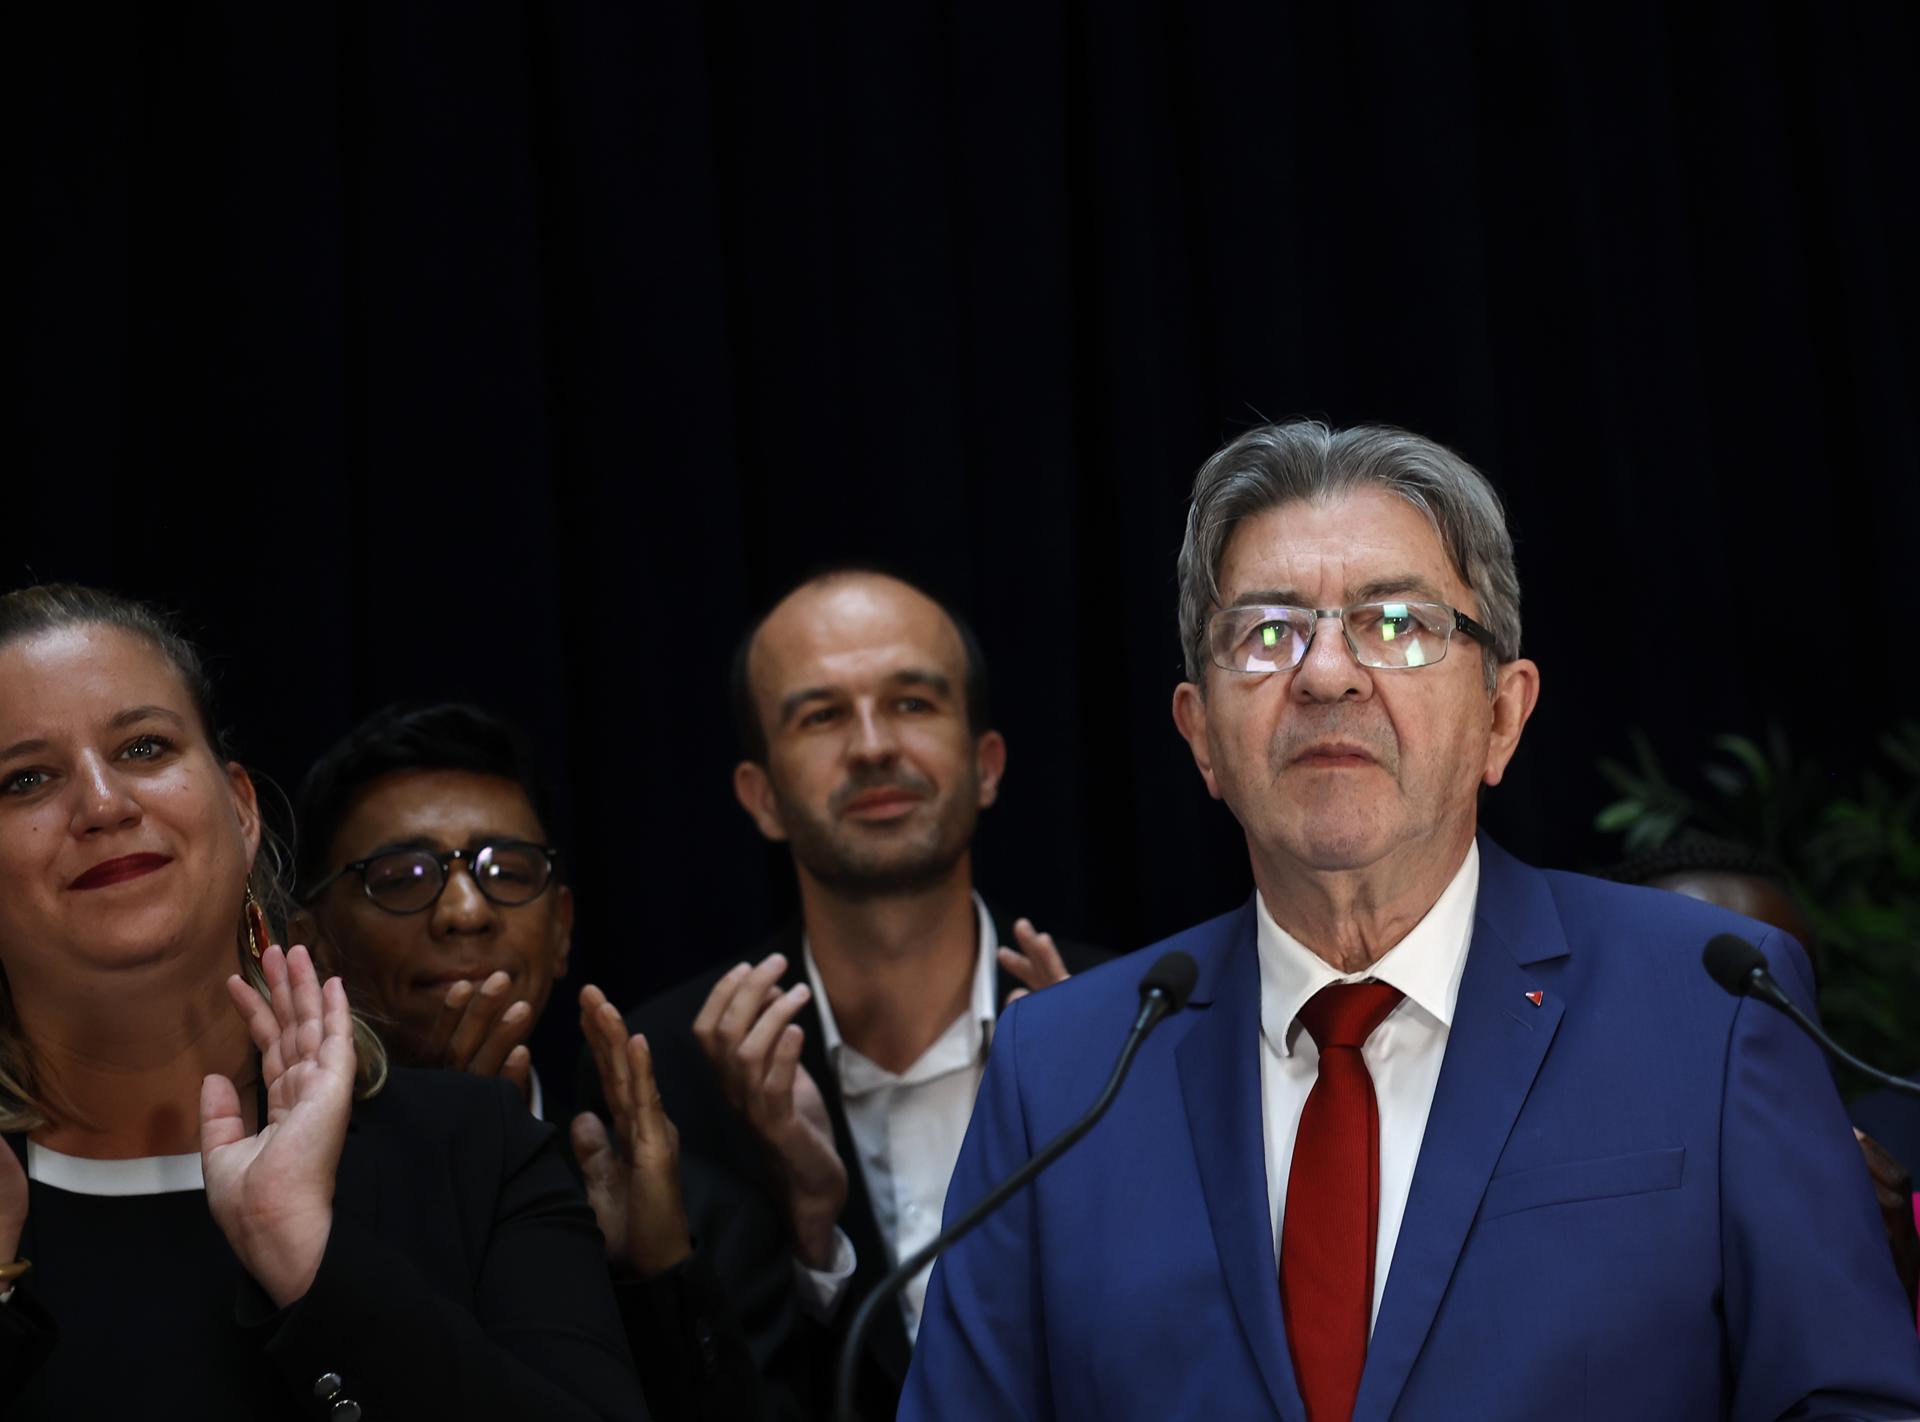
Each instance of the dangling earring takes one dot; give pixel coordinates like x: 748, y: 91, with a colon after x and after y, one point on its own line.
x: 256, y: 922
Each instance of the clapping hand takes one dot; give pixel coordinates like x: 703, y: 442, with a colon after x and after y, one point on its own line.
x: 271, y: 1193
x: 747, y: 1030
x: 1036, y: 963
x: 483, y: 1031
x: 633, y: 1176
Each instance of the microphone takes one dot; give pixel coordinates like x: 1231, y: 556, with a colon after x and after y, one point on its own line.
x: 1163, y: 991
x: 1741, y: 969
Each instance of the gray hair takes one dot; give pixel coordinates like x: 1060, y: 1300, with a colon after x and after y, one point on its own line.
x: 1304, y: 459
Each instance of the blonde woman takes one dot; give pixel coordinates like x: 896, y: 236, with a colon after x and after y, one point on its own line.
x: 216, y: 1201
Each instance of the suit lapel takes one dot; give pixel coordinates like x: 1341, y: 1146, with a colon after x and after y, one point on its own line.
x: 887, y: 1341
x: 1219, y: 1065
x: 1494, y: 1050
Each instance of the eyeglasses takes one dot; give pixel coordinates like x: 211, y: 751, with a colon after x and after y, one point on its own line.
x: 1385, y: 635
x: 510, y: 872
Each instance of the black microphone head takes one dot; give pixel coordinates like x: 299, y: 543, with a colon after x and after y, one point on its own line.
x: 1731, y: 961
x: 1172, y: 974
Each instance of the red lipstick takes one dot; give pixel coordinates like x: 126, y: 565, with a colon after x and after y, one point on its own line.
x: 118, y: 871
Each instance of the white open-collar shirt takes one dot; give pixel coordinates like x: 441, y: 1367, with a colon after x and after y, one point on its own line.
x: 906, y: 1126
x: 1403, y: 1055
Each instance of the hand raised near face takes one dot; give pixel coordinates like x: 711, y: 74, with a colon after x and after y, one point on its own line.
x: 747, y: 1030
x: 1036, y: 963
x: 1893, y: 1188
x: 632, y: 1175
x: 271, y: 1192
x: 483, y: 1031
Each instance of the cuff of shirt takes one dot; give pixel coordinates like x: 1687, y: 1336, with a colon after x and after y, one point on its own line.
x: 822, y: 1289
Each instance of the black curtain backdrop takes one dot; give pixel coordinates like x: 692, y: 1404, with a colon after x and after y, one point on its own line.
x: 523, y: 352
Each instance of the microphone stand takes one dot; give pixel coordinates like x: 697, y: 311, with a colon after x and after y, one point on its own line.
x: 1741, y: 969
x: 1768, y: 991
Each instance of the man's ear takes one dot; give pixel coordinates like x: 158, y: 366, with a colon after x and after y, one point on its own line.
x: 990, y: 764
x: 1190, y: 718
x: 1515, y: 695
x: 753, y: 788
x: 563, y: 911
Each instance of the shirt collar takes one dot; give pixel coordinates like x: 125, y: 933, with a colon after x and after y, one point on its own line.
x: 1425, y: 965
x: 985, y: 978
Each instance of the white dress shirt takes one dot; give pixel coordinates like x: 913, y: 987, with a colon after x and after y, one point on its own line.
x: 1403, y: 1054
x: 907, y: 1128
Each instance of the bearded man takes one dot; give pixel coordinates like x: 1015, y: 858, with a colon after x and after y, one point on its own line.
x: 825, y: 1088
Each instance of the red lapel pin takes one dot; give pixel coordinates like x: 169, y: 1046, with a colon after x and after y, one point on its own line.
x: 1536, y: 997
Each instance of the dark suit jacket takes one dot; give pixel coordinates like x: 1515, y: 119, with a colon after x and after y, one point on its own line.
x: 695, y: 1362
x: 1636, y: 1197
x: 735, y: 1208
x: 464, y: 1277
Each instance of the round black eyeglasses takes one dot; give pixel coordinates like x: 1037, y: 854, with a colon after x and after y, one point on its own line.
x: 510, y: 872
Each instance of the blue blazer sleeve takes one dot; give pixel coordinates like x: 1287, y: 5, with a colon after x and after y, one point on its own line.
x: 1810, y: 1290
x: 986, y: 1289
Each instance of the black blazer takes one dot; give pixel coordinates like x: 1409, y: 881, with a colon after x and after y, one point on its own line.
x: 464, y: 1277
x: 734, y: 1204
x: 696, y: 1363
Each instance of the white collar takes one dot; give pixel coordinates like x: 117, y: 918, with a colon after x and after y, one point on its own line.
x: 143, y: 1175
x: 985, y: 977
x: 1425, y: 965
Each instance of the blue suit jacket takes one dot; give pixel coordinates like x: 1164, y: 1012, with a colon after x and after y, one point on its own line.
x: 1640, y: 1199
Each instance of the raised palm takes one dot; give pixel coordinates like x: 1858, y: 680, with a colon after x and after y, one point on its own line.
x: 271, y: 1192
x: 633, y: 1173
x: 747, y: 1031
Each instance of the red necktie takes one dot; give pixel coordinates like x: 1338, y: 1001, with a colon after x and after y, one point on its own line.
x: 1333, y: 1203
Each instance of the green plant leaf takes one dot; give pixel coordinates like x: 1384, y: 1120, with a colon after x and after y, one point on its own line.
x: 1618, y: 815
x: 1725, y: 779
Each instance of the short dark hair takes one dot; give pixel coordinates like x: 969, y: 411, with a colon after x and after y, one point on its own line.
x: 746, y: 712
x: 446, y: 735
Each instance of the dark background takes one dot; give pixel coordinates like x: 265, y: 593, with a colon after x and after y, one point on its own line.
x: 523, y: 352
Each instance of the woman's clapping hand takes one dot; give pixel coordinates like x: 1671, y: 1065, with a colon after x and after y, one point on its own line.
x: 272, y: 1192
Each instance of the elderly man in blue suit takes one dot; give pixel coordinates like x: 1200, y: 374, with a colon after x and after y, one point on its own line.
x: 1439, y: 1135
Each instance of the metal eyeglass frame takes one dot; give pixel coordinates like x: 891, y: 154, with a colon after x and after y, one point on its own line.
x: 1461, y: 623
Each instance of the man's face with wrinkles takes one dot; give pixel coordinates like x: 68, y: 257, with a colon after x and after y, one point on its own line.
x: 1332, y: 765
